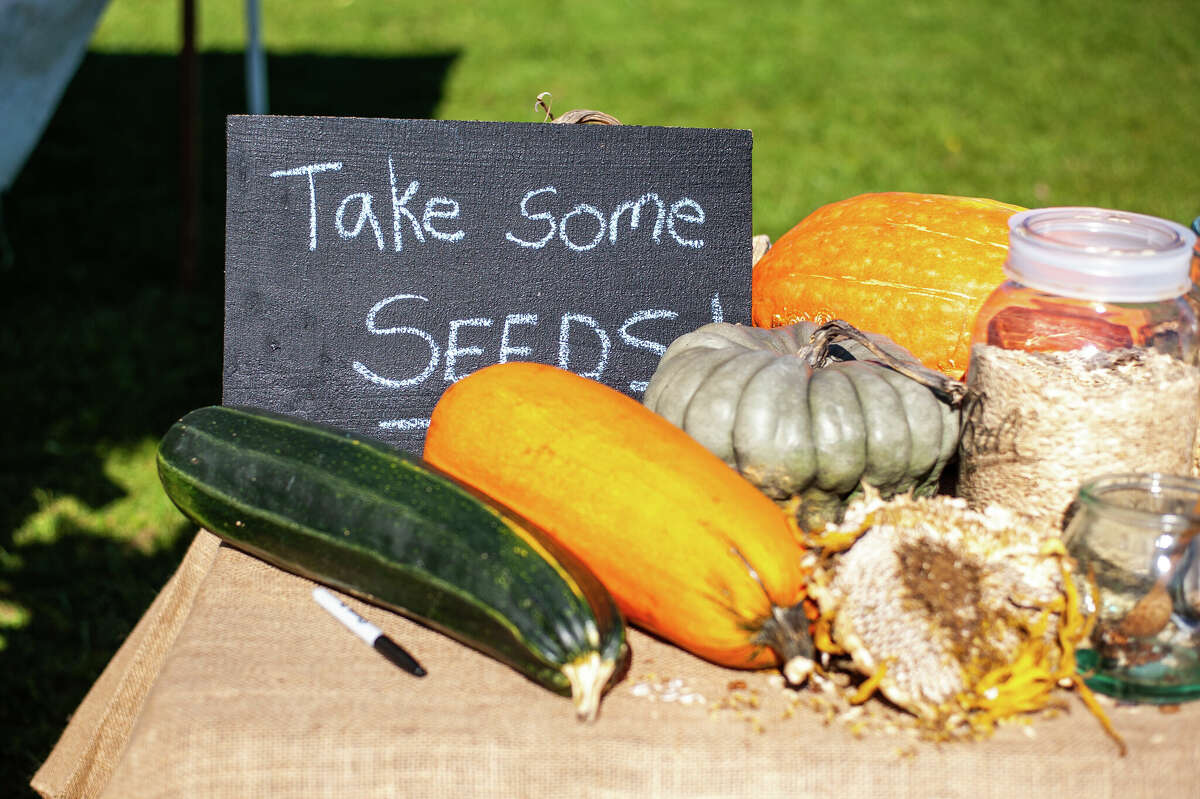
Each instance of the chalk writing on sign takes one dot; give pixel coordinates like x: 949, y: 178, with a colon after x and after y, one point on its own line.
x: 373, y: 263
x: 480, y: 352
x: 589, y: 226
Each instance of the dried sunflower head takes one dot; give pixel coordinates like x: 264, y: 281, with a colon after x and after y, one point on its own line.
x: 963, y: 618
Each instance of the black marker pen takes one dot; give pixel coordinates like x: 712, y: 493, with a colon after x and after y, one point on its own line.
x: 368, y: 632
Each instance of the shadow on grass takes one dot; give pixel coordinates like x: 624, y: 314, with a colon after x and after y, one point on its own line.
x: 102, y: 348
x: 84, y: 593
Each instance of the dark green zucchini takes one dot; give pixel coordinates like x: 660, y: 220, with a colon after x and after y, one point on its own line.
x: 367, y: 519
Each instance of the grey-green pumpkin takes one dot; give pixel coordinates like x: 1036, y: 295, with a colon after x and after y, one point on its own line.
x: 809, y: 413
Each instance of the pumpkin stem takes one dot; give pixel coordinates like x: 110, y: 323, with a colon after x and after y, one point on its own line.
x: 953, y: 390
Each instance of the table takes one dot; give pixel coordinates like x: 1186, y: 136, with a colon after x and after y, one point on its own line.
x: 235, y: 683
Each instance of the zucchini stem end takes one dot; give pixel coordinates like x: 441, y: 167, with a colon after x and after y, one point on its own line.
x: 588, y: 676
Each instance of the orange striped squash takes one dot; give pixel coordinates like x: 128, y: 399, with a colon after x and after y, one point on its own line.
x: 690, y: 550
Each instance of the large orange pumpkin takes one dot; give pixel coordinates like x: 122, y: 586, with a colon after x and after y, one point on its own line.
x: 913, y: 267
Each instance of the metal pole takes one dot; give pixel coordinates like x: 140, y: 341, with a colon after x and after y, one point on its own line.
x: 189, y: 156
x: 256, y: 61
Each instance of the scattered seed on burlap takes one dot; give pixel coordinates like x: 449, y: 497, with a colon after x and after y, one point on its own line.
x: 656, y: 689
x: 1047, y: 421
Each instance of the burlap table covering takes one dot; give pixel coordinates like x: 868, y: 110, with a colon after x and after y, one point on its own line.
x: 236, y: 684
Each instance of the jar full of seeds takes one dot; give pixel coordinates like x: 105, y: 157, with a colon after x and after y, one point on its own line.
x: 1084, y: 361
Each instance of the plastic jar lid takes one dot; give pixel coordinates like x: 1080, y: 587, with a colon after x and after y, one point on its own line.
x: 1098, y: 254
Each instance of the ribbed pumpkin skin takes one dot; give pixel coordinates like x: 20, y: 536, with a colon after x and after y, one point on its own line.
x: 803, y: 431
x: 913, y: 267
x: 670, y: 530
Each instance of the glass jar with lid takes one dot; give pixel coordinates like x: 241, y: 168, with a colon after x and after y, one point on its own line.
x: 1085, y: 360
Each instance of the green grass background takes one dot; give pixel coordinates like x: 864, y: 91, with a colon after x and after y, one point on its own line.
x: 1029, y: 102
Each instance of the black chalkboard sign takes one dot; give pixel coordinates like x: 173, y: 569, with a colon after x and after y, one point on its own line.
x: 370, y: 263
